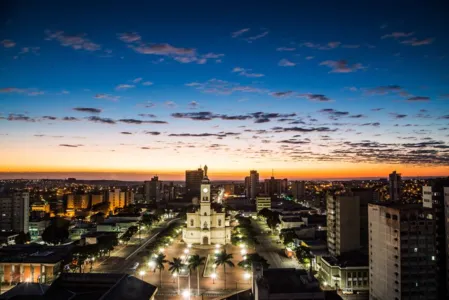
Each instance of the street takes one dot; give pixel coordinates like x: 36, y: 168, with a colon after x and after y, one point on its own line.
x: 272, y: 251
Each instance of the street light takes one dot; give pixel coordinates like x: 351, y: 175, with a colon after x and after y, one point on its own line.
x: 151, y: 264
x: 217, y: 246
x: 243, y: 252
x: 142, y: 273
x: 189, y: 245
x: 247, y: 275
x: 216, y: 251
x: 186, y: 251
x: 213, y: 277
x: 186, y: 294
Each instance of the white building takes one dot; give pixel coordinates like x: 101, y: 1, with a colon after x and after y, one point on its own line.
x: 206, y: 226
x: 263, y: 202
x: 116, y: 199
x: 15, y: 212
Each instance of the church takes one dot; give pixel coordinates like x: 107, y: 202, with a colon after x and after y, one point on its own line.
x: 206, y: 226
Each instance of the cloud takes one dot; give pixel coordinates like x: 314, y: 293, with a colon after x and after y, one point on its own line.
x: 310, y: 57
x: 258, y: 117
x: 132, y: 121
x: 70, y: 119
x: 88, y: 110
x: 211, y: 55
x: 147, y: 115
x: 341, y: 66
x: 147, y: 83
x: 156, y: 122
x: 107, y: 97
x: 375, y: 124
x: 302, y: 129
x: 197, y: 116
x: 386, y: 89
x: 376, y: 109
x: 124, y: 87
x: 333, y: 113
x: 163, y: 49
x: 246, y: 72
x: 259, y: 36
x: 70, y: 145
x: 416, y: 42
x: 50, y: 118
x: 152, y: 132
x: 170, y: 104
x: 193, y: 104
x: 282, y: 94
x: 315, y: 97
x: 397, y: 35
x: 285, y: 49
x: 220, y: 134
x: 397, y: 116
x: 20, y: 117
x: 223, y: 87
x: 286, y: 63
x: 295, y: 141
x: 126, y: 132
x: 77, y: 42
x: 239, y: 32
x: 145, y: 148
x: 418, y: 98
x: 129, y: 37
x: 29, y: 92
x: 8, y: 43
x: 97, y: 119
x: 137, y: 80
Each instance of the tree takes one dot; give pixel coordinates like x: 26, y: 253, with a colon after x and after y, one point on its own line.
x: 175, y: 268
x: 195, y: 262
x: 224, y: 259
x: 288, y: 236
x: 57, y: 232
x: 22, y: 238
x: 159, y: 264
x: 252, y: 259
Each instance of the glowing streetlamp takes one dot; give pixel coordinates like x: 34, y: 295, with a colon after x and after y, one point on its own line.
x: 216, y: 251
x: 189, y: 245
x: 243, y: 251
x: 142, y: 273
x: 247, y: 275
x: 217, y: 246
x: 186, y: 251
x: 161, y: 250
x: 213, y: 275
x: 151, y: 264
x: 186, y: 294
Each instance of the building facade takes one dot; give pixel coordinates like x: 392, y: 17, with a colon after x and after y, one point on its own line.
x: 152, y: 190
x: 14, y: 212
x: 402, y: 252
x: 206, y: 226
x: 193, y: 182
x: 262, y: 202
x: 298, y: 190
x: 79, y: 201
x: 343, y: 224
x: 116, y: 199
x: 252, y: 185
x: 394, y: 182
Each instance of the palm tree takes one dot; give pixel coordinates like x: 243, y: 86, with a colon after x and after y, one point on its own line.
x: 159, y: 264
x: 175, y: 267
x: 224, y: 259
x: 195, y: 262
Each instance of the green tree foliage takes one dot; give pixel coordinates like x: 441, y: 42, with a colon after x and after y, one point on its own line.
x: 160, y: 261
x: 224, y: 259
x: 253, y: 258
x: 57, y: 232
x: 195, y: 263
x: 288, y: 236
x: 22, y: 238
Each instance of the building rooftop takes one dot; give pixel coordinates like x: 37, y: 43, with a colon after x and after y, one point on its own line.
x: 400, y: 206
x: 95, y: 286
x: 291, y: 219
x: 25, y: 291
x: 349, y: 259
x: 281, y: 281
x: 34, y: 253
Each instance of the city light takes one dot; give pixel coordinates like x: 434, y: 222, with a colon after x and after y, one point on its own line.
x: 189, y: 245
x: 243, y: 252
x: 217, y: 246
x: 186, y: 293
x: 216, y: 251
x: 151, y: 264
x: 247, y: 275
x: 186, y: 251
x: 161, y: 250
x: 213, y: 276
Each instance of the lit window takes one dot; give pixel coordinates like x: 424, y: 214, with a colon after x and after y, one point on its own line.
x: 416, y: 249
x: 433, y: 257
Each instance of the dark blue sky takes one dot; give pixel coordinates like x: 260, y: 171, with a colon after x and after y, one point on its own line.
x: 366, y: 72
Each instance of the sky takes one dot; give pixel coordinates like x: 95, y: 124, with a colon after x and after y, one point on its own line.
x: 130, y: 89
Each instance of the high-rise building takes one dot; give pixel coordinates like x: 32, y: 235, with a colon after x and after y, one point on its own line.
x: 343, y: 224
x: 402, y: 252
x: 15, y: 212
x: 436, y: 197
x: 168, y: 192
x: 129, y: 197
x: 193, y: 182
x: 298, y: 190
x: 366, y: 195
x: 79, y: 201
x: 275, y: 187
x: 96, y: 199
x: 153, y: 190
x: 395, y: 186
x: 252, y: 185
x: 116, y: 199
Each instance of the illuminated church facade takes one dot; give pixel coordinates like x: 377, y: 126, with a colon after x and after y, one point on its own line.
x: 206, y: 226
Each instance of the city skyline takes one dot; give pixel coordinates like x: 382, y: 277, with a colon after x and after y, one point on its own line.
x: 309, y: 93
